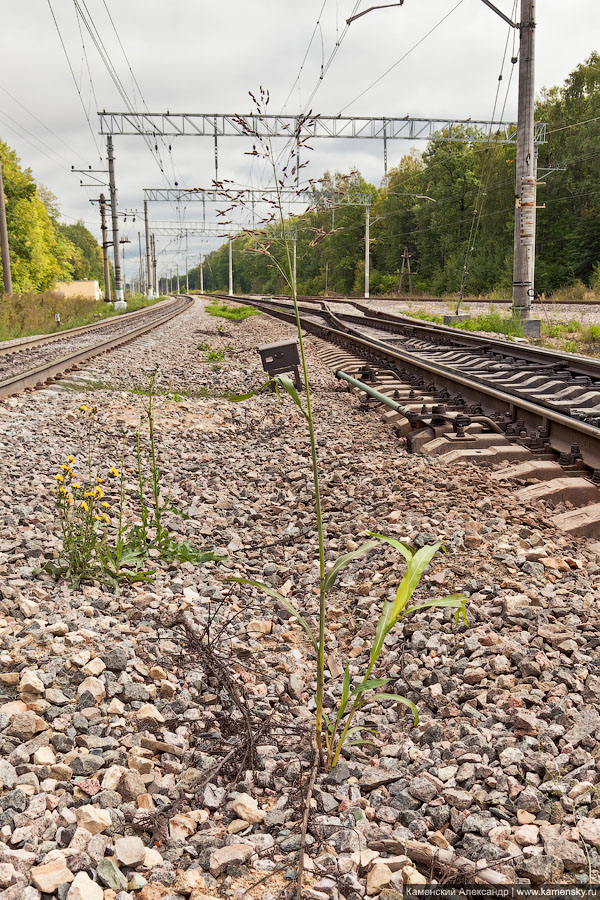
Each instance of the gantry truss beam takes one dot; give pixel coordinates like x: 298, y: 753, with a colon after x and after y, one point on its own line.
x: 173, y: 229
x: 256, y: 195
x: 217, y: 125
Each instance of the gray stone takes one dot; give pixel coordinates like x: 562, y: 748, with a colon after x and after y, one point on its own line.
x: 110, y: 875
x: 115, y: 660
x: 422, y: 789
x: 588, y: 722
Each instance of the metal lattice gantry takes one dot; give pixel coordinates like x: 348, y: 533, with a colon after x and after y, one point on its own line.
x: 207, y: 229
x: 217, y: 125
x: 320, y: 199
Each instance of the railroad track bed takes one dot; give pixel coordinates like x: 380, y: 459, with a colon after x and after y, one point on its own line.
x: 503, y: 766
x: 31, y: 361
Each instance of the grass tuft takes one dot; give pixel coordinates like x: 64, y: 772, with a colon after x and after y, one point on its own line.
x: 233, y: 313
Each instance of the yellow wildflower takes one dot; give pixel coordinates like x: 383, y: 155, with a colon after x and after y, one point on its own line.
x: 66, y: 468
x: 99, y: 493
x: 83, y: 408
x: 62, y: 490
x: 97, y: 518
x: 69, y: 498
x: 84, y: 506
x: 113, y: 472
x: 105, y: 505
x: 89, y: 494
x: 99, y: 480
x: 105, y: 517
x: 75, y: 484
x: 71, y: 459
x: 59, y: 478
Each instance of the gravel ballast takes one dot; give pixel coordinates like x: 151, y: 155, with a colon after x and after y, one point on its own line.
x: 125, y: 767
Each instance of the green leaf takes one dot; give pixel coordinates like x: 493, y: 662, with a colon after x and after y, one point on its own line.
x: 280, y: 599
x: 345, y: 693
x: 356, y: 728
x: 381, y: 632
x: 369, y: 685
x: 405, y: 549
x: 345, y: 560
x: 327, y: 721
x: 398, y: 698
x: 412, y: 577
x: 359, y: 743
x: 239, y: 398
x: 286, y: 383
x: 453, y: 600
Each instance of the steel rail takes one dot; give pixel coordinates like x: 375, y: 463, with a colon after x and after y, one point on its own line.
x: 37, y: 340
x: 41, y: 374
x: 580, y: 365
x: 563, y: 430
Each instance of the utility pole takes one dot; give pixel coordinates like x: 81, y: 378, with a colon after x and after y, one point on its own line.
x: 154, y: 279
x: 177, y: 270
x: 367, y: 254
x: 230, y: 268
x: 141, y: 272
x: 187, y: 279
x: 526, y: 176
x: 105, y: 246
x: 6, y: 274
x: 149, y: 282
x: 201, y: 275
x: 119, y: 296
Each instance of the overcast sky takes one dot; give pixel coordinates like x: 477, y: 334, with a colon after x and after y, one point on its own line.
x: 200, y: 56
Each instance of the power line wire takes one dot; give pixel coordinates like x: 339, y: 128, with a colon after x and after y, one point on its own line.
x: 74, y: 80
x: 402, y: 58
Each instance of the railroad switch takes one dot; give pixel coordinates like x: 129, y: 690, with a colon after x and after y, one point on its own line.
x: 280, y: 358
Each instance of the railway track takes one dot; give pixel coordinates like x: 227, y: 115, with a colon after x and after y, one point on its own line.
x: 463, y: 395
x: 35, y: 361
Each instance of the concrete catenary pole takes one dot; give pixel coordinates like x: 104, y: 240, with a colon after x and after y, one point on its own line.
x: 119, y: 296
x: 187, y: 277
x: 154, y: 278
x: 149, y: 282
x: 230, y: 267
x: 201, y: 275
x: 143, y: 288
x: 105, y: 246
x: 6, y: 273
x: 367, y: 254
x: 526, y: 174
x: 177, y: 269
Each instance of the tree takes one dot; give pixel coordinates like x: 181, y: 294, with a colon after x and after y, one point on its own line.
x: 85, y: 257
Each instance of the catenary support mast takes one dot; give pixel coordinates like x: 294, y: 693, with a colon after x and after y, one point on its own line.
x: 6, y: 273
x: 526, y: 175
x: 119, y: 296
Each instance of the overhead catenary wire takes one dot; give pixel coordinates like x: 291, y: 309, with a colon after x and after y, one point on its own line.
x: 39, y: 121
x: 483, y: 182
x: 85, y: 112
x: 402, y: 58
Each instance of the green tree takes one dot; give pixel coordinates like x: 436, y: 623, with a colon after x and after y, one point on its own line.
x: 85, y: 258
x: 39, y: 253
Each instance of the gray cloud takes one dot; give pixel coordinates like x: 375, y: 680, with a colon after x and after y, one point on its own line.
x: 204, y: 57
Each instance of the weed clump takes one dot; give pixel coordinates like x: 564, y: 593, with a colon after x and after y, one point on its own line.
x: 97, y: 543
x: 233, y: 313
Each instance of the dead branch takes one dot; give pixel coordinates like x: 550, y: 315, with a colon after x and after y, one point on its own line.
x: 439, y: 859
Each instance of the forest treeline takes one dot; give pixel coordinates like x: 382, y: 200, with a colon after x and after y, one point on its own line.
x: 42, y: 249
x: 453, y: 208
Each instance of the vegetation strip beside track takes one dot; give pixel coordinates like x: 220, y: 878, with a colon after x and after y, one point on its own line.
x: 49, y: 370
